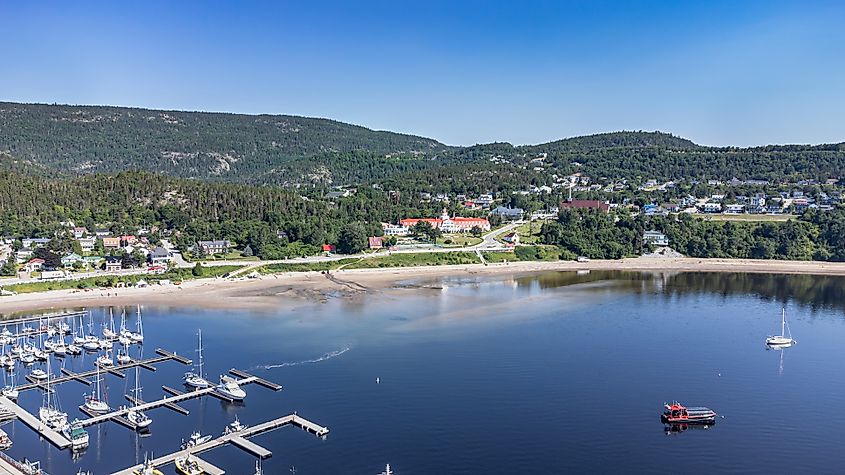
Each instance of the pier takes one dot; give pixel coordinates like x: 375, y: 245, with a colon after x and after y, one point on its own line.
x: 45, y: 316
x: 115, y: 370
x: 35, y: 424
x: 238, y: 439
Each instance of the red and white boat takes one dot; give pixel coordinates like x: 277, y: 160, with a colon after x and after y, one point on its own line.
x: 677, y: 413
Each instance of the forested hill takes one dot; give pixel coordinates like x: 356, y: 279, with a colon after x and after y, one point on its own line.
x: 290, y: 150
x: 236, y: 147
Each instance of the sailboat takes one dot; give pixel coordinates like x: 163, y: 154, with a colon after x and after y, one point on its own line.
x: 123, y: 355
x: 11, y: 390
x: 781, y: 340
x: 197, y: 380
x: 91, y: 342
x: 108, y: 330
x: 105, y: 359
x: 78, y: 339
x: 60, y: 349
x: 137, y: 417
x: 94, y: 402
x: 48, y: 413
x: 124, y: 337
x: 138, y: 335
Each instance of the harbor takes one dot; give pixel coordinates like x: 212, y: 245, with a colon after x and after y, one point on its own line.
x: 53, y: 425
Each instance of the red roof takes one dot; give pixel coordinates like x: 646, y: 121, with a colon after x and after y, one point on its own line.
x: 37, y: 260
x: 375, y: 241
x: 585, y: 204
x: 329, y: 247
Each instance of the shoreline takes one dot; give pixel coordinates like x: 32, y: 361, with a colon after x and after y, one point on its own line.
x: 292, y: 289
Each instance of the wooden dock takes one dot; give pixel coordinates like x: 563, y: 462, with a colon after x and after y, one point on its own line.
x: 46, y: 316
x: 238, y: 439
x: 115, y: 370
x: 35, y: 424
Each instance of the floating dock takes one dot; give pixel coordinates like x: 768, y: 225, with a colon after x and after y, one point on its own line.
x: 35, y: 424
x: 238, y: 439
x: 45, y: 316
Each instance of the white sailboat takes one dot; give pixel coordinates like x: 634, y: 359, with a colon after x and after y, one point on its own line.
x: 78, y: 338
x: 91, y: 342
x: 138, y: 335
x: 60, y: 349
x: 139, y: 418
x: 105, y: 359
x: 108, y: 330
x: 11, y: 390
x: 197, y: 380
x: 94, y: 402
x: 123, y: 355
x: 781, y: 340
x: 48, y: 413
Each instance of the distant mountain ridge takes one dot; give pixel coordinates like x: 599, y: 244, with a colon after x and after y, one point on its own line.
x: 293, y: 150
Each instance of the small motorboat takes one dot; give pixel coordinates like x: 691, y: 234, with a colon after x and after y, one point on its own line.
x: 229, y: 388
x: 676, y: 413
x: 38, y: 374
x: 148, y: 469
x: 73, y: 349
x: 235, y: 426
x: 10, y: 392
x: 188, y: 466
x: 77, y: 435
x: 196, y: 439
x: 5, y: 440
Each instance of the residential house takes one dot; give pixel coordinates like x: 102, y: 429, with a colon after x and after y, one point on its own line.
x: 712, y: 207
x: 159, y: 257
x: 333, y: 195
x: 585, y: 204
x: 655, y: 237
x: 329, y: 248
x: 484, y: 200
x: 87, y: 244
x: 34, y: 242
x: 128, y: 240
x: 735, y: 209
x: 22, y: 255
x: 111, y: 242
x: 101, y: 233
x: 214, y: 247
x: 375, y: 242
x: 511, y: 238
x: 394, y: 229
x: 79, y: 232
x: 34, y: 265
x: 69, y: 260
x: 508, y: 213
x: 93, y: 261
x: 113, y: 264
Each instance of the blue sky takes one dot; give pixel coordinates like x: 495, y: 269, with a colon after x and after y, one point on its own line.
x: 463, y: 72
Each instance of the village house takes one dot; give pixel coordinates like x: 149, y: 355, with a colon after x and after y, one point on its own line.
x: 449, y: 225
x: 159, y: 256
x: 34, y: 265
x: 128, y: 240
x: 511, y: 238
x: 113, y: 264
x: 585, y: 204
x: 100, y: 233
x: 34, y: 242
x: 87, y: 244
x: 375, y: 242
x: 214, y: 247
x: 79, y: 232
x: 394, y: 229
x: 508, y: 213
x: 735, y: 209
x: 712, y: 207
x: 111, y: 242
x: 655, y: 237
x: 69, y: 260
x: 22, y: 255
x: 484, y: 200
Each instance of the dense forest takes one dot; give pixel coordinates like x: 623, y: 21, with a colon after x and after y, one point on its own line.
x: 292, y: 151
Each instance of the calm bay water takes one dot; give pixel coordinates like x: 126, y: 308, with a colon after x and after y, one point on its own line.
x: 549, y: 373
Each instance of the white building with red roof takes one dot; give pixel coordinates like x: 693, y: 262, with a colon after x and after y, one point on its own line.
x: 449, y: 225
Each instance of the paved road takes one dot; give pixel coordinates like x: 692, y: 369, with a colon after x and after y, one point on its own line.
x: 488, y: 243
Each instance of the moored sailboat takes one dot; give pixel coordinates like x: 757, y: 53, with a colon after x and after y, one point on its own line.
x: 782, y: 340
x: 197, y: 380
x: 94, y: 402
x: 49, y: 414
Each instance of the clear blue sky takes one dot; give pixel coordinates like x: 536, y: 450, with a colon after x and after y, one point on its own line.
x: 463, y: 72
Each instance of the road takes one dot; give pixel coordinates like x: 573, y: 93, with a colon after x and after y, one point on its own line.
x: 488, y: 243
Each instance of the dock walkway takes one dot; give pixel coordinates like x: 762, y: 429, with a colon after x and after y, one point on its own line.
x: 35, y: 424
x: 238, y: 439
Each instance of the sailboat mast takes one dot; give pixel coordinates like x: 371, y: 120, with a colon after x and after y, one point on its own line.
x: 783, y: 322
x: 200, y: 351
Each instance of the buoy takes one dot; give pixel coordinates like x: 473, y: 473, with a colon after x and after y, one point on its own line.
x: 378, y: 380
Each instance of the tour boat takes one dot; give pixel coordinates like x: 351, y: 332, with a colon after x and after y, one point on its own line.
x: 197, y: 380
x: 781, y: 340
x: 188, y: 466
x: 48, y: 413
x: 94, y: 402
x: 38, y: 374
x: 5, y: 440
x: 676, y: 413
x: 77, y: 435
x: 235, y: 426
x: 229, y: 387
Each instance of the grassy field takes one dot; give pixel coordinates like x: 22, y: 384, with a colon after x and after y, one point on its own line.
x: 108, y: 281
x: 525, y: 253
x: 459, y: 240
x: 747, y: 217
x: 417, y: 259
x: 526, y: 236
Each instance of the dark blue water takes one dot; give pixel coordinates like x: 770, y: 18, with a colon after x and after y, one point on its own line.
x: 551, y: 373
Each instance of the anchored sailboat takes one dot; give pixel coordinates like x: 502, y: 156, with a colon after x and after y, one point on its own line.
x: 135, y: 416
x: 781, y: 340
x: 197, y: 380
x: 94, y: 402
x: 48, y: 413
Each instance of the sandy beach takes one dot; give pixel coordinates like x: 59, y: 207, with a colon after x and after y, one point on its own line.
x: 301, y: 288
